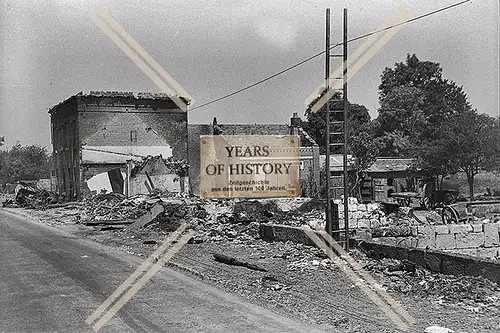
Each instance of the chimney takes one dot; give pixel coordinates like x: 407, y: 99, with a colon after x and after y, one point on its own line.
x: 295, y: 123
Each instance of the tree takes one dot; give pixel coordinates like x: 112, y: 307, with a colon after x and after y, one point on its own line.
x: 466, y: 142
x: 414, y: 100
x: 24, y: 162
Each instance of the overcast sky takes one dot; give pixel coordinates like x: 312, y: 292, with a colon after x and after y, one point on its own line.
x: 50, y: 50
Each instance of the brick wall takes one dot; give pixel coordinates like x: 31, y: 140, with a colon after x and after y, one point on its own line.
x: 132, y: 122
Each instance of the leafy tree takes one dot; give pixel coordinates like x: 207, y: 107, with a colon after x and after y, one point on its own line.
x: 466, y: 142
x: 24, y: 162
x: 414, y: 100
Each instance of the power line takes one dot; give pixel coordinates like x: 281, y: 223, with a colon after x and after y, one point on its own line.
x: 322, y: 52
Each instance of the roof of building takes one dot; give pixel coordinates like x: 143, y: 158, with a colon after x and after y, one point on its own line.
x: 123, y: 95
x: 391, y: 164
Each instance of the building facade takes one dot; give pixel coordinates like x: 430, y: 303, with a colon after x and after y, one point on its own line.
x: 100, y: 131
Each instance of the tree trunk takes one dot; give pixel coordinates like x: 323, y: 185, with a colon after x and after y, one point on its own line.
x: 470, y: 181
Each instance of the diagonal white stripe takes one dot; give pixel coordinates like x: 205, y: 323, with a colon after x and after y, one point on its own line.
x: 168, y: 79
x: 142, y: 281
x: 138, y: 61
x: 140, y: 270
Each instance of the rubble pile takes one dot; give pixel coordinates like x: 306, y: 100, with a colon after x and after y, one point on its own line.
x: 471, y: 293
x: 28, y: 196
x: 114, y: 207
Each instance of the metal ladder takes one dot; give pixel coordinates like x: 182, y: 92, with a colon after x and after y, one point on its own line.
x: 336, y: 138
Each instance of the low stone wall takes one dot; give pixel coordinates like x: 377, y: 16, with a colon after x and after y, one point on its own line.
x: 479, y: 240
x: 433, y: 260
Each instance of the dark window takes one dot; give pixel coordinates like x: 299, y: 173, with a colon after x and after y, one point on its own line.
x: 133, y: 136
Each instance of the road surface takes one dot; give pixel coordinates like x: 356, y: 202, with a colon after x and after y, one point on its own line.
x: 51, y: 281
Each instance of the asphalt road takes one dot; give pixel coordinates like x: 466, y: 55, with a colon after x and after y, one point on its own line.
x: 51, y: 281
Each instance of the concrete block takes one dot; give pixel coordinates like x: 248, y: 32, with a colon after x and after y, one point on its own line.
x: 383, y: 220
x: 296, y: 235
x: 426, y: 238
x: 414, y: 231
x: 362, y: 208
x: 354, y: 223
x: 391, y: 241
x: 374, y: 223
x: 442, y: 229
x: 355, y: 215
x: 364, y: 223
x: 353, y: 207
x: 408, y: 242
x: 445, y: 241
x: 372, y: 207
x: 352, y: 201
x: 363, y: 234
x: 471, y: 240
x: 488, y: 253
x: 477, y: 227
x: 424, y: 230
x: 460, y: 228
x: 266, y: 232
x: 491, y: 235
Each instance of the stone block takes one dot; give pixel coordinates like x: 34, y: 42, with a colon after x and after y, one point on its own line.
x: 362, y: 208
x: 491, y: 235
x: 442, y: 229
x: 426, y: 238
x: 477, y: 227
x: 408, y: 242
x: 391, y: 241
x: 353, y: 207
x: 445, y: 241
x: 383, y: 220
x: 460, y: 228
x: 354, y: 223
x: 266, y: 232
x: 414, y: 230
x: 352, y: 201
x: 374, y: 223
x: 355, y: 215
x: 488, y: 253
x: 364, y: 223
x: 471, y: 240
x: 372, y: 207
x: 296, y: 235
x: 363, y: 234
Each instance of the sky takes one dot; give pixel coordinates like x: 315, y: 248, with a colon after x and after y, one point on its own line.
x: 50, y: 50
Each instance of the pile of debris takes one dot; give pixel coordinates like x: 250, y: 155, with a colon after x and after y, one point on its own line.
x: 30, y: 196
x: 471, y: 293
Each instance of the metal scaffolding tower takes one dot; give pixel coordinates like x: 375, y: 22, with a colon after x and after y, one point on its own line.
x: 336, y: 136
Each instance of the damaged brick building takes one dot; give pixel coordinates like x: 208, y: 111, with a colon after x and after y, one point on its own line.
x: 97, y: 132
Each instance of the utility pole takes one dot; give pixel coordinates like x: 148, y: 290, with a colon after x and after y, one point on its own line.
x: 346, y: 188
x: 328, y: 223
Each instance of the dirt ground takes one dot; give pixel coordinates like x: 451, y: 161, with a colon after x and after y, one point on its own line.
x: 300, y: 282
